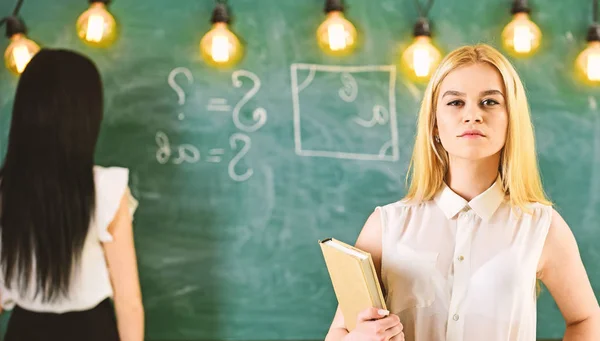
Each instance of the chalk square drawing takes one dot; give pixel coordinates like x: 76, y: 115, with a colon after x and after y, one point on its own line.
x: 345, y: 112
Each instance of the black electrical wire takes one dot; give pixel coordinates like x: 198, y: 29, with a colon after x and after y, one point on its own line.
x: 14, y: 24
x: 220, y: 13
x: 424, y: 11
x: 593, y: 33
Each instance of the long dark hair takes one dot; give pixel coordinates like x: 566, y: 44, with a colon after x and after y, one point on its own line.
x: 47, y: 191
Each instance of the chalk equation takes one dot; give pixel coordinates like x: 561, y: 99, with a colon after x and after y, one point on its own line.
x: 181, y: 78
x: 186, y: 153
x: 238, y: 79
x: 370, y: 118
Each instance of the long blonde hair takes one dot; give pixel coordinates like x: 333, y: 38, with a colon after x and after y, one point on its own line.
x: 518, y: 161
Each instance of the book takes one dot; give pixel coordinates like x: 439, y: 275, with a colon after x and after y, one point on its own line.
x: 354, y: 279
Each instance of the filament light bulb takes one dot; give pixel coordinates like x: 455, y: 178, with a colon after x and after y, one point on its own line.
x: 336, y: 35
x: 220, y: 46
x: 96, y: 26
x: 521, y: 35
x: 421, y: 58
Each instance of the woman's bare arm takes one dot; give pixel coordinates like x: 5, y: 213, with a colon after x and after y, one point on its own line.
x: 122, y: 265
x: 562, y: 271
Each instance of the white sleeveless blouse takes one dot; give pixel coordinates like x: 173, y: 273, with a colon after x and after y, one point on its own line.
x: 90, y: 283
x: 463, y: 271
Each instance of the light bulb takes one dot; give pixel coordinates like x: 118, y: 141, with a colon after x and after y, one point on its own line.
x: 521, y: 34
x: 96, y: 26
x: 588, y: 62
x: 220, y: 46
x: 336, y: 34
x: 421, y: 57
x: 19, y: 53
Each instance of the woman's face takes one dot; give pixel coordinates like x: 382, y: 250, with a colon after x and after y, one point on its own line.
x: 471, y: 112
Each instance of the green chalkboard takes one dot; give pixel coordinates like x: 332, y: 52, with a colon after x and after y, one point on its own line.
x: 239, y: 172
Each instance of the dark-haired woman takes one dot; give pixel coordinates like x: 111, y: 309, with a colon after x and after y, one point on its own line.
x: 66, y: 236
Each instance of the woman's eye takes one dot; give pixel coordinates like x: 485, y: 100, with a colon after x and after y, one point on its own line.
x: 489, y: 102
x: 456, y: 103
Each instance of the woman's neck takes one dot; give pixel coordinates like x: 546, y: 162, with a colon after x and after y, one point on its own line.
x: 469, y: 178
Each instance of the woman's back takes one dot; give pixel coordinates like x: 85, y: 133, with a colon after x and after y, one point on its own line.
x: 66, y: 235
x: 47, y: 190
x: 90, y: 281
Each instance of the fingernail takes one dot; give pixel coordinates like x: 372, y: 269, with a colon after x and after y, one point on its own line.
x: 383, y: 312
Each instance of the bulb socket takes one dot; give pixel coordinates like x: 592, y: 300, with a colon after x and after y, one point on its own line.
x: 593, y: 33
x: 15, y: 25
x: 422, y: 28
x: 220, y: 14
x: 334, y: 6
x: 520, y: 6
x: 106, y: 2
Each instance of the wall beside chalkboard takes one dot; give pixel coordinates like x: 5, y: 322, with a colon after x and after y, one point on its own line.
x: 240, y: 171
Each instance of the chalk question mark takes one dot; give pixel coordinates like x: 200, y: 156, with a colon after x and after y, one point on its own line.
x: 259, y: 114
x: 178, y: 90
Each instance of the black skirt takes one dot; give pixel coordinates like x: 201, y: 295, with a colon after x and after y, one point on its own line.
x: 97, y: 324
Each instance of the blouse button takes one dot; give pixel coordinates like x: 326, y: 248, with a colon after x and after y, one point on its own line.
x: 461, y: 258
x: 455, y: 317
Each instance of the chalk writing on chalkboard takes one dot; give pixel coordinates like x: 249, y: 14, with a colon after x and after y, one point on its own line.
x: 215, y: 155
x: 381, y: 113
x: 245, y: 147
x: 218, y: 104
x: 177, y: 88
x: 186, y: 153
x: 259, y: 114
x: 380, y: 116
x: 239, y: 143
x: 349, y: 90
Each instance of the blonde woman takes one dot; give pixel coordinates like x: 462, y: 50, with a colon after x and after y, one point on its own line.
x: 459, y: 257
